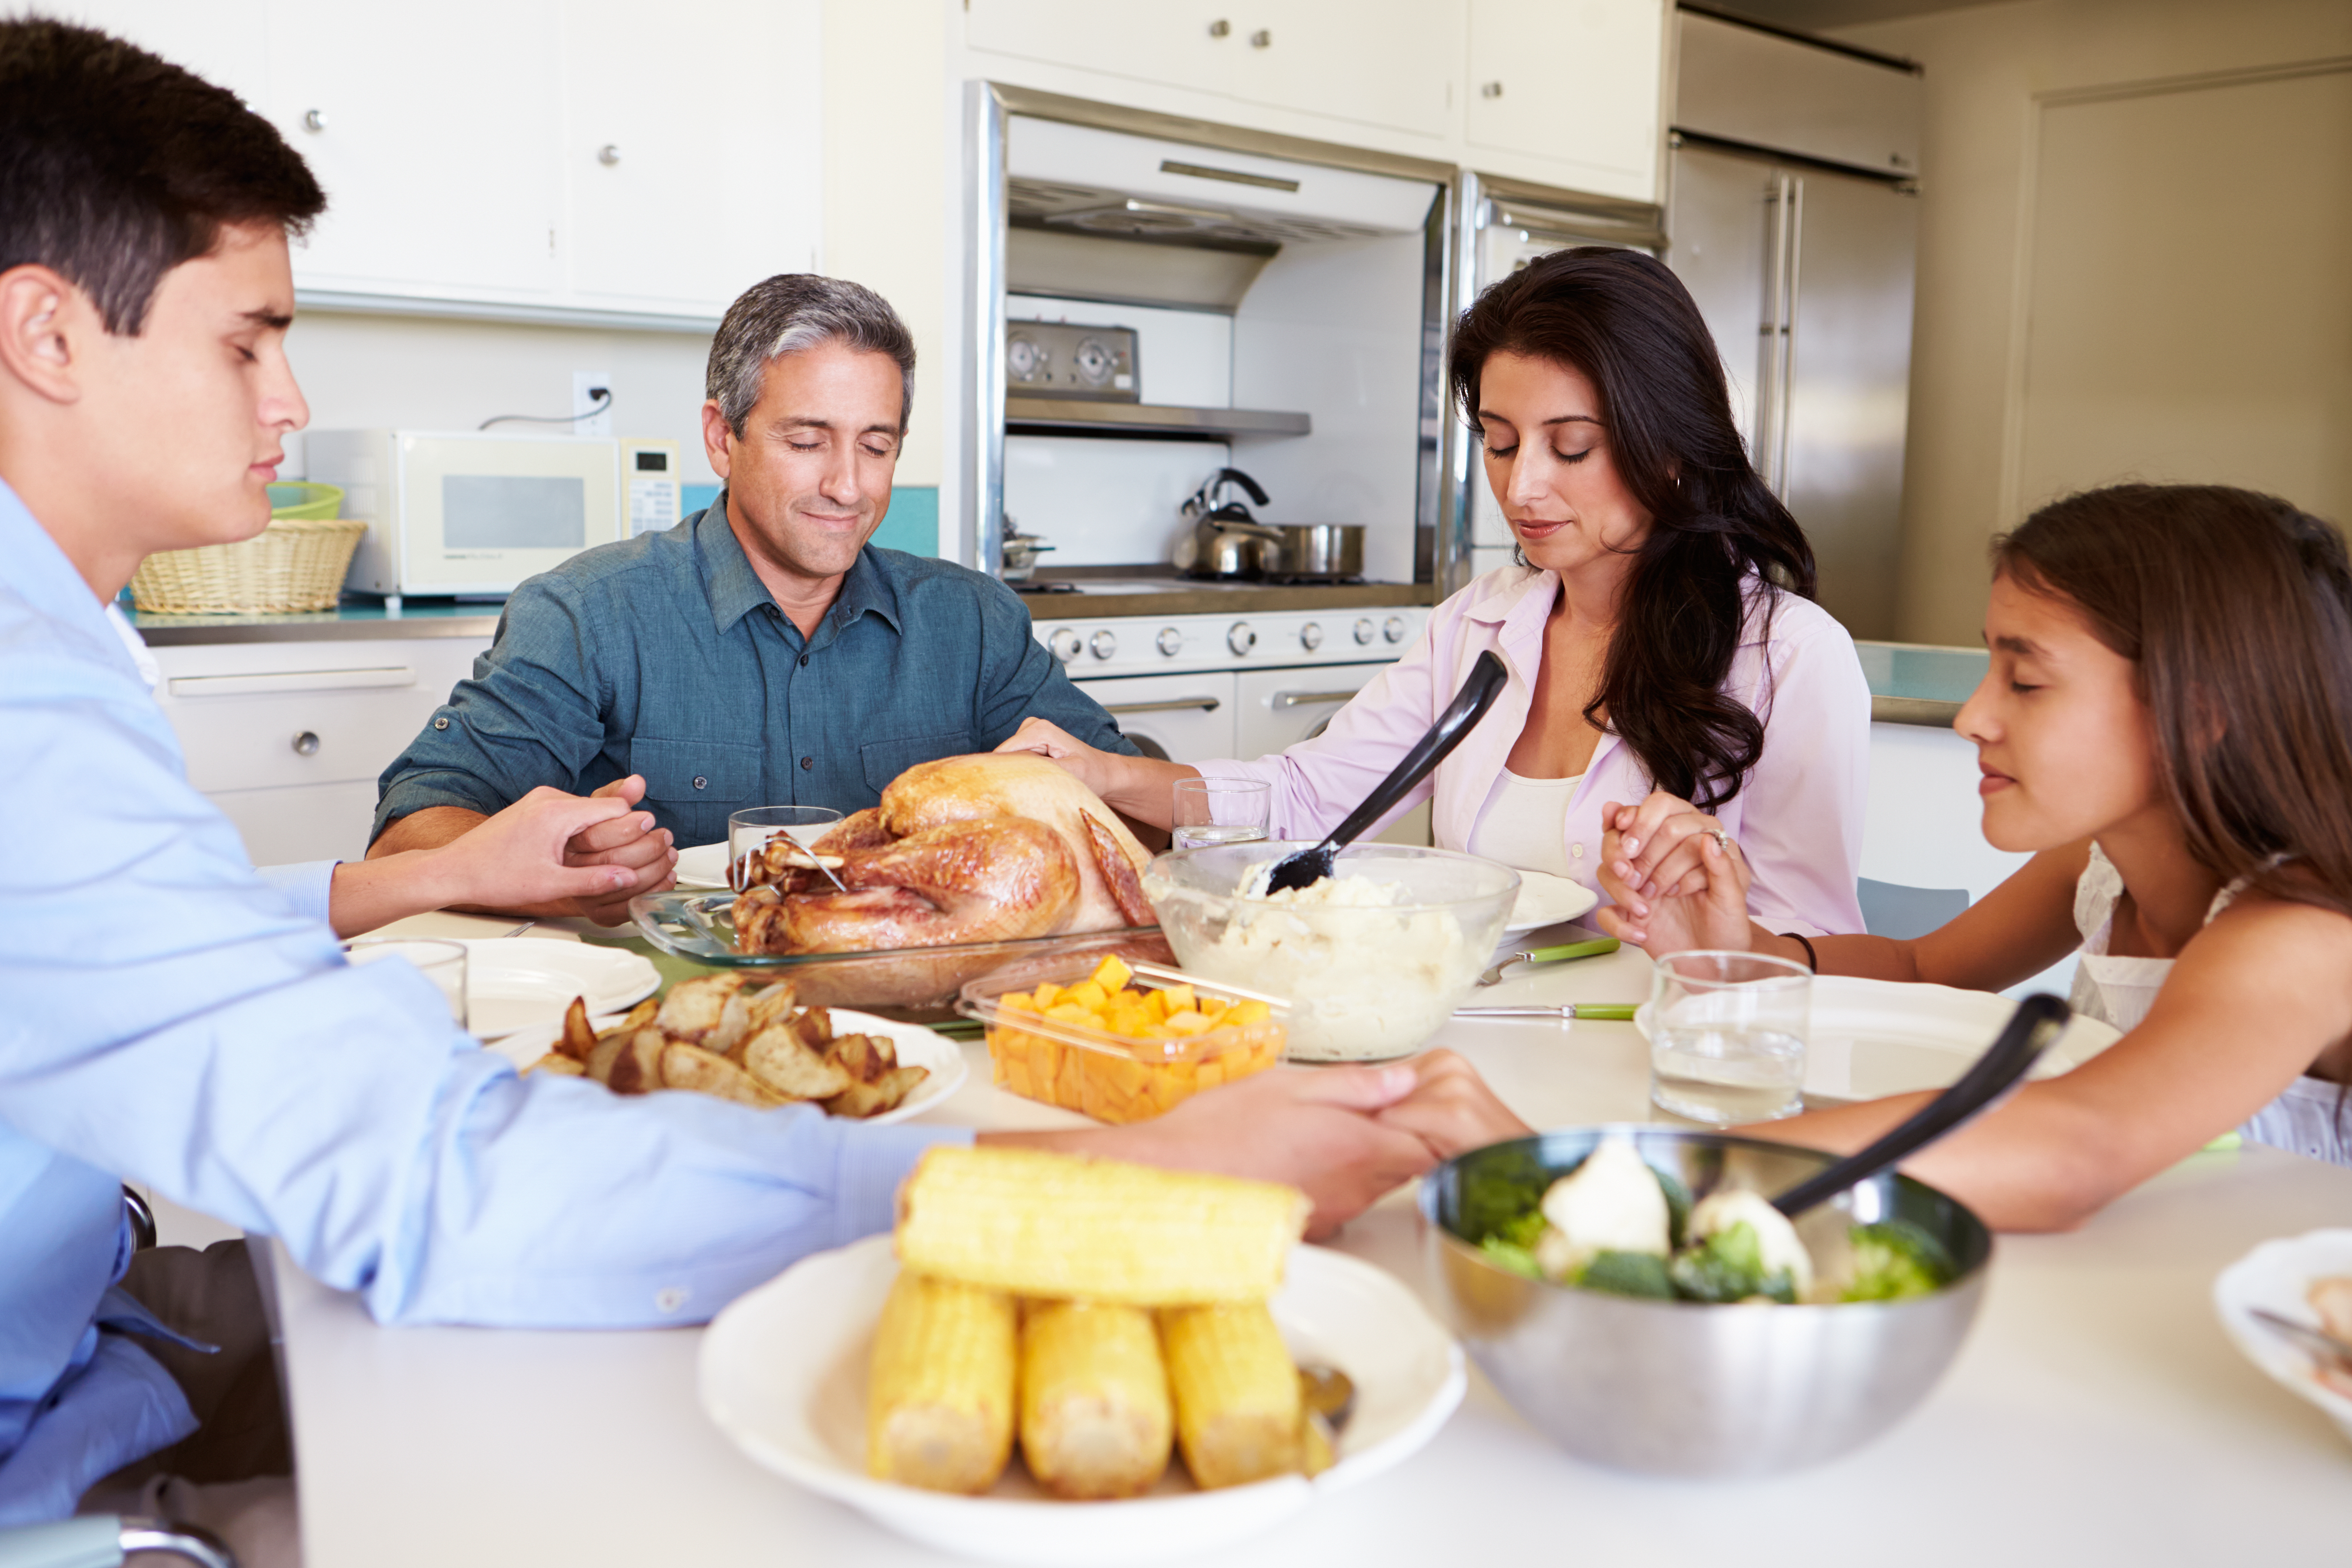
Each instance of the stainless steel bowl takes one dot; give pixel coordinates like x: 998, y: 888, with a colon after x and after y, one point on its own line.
x: 1685, y: 1389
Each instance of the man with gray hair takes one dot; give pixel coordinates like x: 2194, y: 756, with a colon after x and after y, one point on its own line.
x: 760, y: 653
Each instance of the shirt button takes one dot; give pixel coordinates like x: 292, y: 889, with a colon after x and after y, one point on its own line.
x: 701, y: 782
x: 1577, y: 850
x: 808, y: 762
x: 441, y: 723
x: 804, y: 661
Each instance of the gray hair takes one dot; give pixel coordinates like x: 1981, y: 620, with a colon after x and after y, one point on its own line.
x: 796, y: 310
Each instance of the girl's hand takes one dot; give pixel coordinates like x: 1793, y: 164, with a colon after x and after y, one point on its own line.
x: 1660, y: 840
x: 1712, y: 914
x: 1451, y: 1109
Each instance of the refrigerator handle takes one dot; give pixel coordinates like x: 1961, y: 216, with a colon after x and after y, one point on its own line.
x: 1770, y: 419
x: 1784, y: 399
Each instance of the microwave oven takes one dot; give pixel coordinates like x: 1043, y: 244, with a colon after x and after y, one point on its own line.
x: 451, y: 513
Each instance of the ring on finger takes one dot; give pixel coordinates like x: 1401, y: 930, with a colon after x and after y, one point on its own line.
x: 1722, y: 839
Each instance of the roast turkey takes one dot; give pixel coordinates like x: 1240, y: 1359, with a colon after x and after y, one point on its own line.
x: 990, y: 848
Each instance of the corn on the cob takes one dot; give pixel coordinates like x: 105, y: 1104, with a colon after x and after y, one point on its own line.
x: 1095, y: 1421
x: 941, y: 1399
x: 1237, y: 1401
x: 1061, y: 1226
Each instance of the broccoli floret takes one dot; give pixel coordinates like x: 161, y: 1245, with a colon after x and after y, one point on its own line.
x: 1894, y: 1258
x: 1499, y: 1190
x: 1523, y: 1231
x: 1628, y: 1274
x: 1728, y: 1267
x: 1506, y: 1255
x: 1678, y: 1206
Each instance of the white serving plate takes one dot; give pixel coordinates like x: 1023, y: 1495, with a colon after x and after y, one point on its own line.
x: 520, y: 982
x: 2275, y: 1276
x: 1869, y: 1038
x: 1545, y: 899
x: 783, y: 1375
x: 917, y: 1048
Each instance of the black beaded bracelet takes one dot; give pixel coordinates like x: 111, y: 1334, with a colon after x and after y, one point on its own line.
x: 1812, y: 959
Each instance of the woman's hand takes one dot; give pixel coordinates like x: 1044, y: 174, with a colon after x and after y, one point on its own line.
x: 1706, y: 907
x: 1451, y: 1109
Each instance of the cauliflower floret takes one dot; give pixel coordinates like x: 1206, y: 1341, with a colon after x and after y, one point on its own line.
x: 1775, y: 1236
x: 1612, y: 1202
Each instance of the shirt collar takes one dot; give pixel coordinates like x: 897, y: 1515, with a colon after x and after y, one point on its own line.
x: 735, y: 590
x: 36, y: 568
x: 1519, y: 609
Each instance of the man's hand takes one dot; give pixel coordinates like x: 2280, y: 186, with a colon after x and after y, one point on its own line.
x: 1451, y: 1109
x: 630, y: 842
x: 1703, y: 908
x: 1050, y: 739
x: 1312, y: 1128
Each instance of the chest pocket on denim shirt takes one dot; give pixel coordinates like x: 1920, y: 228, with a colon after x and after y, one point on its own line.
x: 886, y: 760
x: 693, y: 784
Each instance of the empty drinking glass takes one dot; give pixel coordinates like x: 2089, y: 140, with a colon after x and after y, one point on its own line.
x: 1728, y: 1035
x: 747, y: 833
x: 1220, y: 811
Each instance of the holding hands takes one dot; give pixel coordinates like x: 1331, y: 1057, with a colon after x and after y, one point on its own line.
x: 1679, y: 880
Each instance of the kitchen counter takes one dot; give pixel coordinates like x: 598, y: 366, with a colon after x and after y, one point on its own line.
x: 1142, y: 595
x: 354, y: 621
x: 1918, y: 683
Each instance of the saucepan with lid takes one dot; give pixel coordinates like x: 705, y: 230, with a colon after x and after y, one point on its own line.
x: 1319, y: 550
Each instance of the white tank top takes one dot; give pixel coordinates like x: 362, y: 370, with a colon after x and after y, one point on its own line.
x: 1524, y: 824
x: 2120, y: 991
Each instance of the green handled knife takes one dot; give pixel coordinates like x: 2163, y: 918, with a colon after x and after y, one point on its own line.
x: 1570, y: 1012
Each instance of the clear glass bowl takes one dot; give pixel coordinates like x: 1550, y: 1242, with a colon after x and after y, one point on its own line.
x: 1367, y: 980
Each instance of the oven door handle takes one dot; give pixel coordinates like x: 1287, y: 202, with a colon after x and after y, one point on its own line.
x: 1173, y: 705
x: 1308, y: 699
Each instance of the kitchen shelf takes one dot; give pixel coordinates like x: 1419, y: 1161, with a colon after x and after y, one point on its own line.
x: 1149, y: 419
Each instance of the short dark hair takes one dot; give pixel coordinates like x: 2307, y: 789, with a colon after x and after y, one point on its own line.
x: 116, y: 166
x: 1625, y: 321
x: 796, y: 310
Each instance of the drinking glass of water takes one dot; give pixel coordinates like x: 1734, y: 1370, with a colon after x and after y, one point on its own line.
x: 1220, y: 811
x: 1728, y: 1035
x: 442, y: 963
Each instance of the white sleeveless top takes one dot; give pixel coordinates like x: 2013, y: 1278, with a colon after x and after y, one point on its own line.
x: 2120, y: 991
x: 1525, y: 827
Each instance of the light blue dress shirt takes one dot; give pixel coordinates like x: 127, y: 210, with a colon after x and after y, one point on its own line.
x: 169, y: 1016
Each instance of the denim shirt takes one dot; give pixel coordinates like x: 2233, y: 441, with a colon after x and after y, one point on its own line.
x: 666, y: 656
x: 173, y: 1017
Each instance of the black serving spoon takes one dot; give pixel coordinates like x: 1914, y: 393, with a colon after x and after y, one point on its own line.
x: 1470, y: 704
x: 2038, y: 1021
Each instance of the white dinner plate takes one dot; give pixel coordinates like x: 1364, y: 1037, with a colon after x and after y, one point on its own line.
x: 784, y: 1375
x: 520, y: 982
x: 2275, y: 1276
x: 1869, y: 1038
x: 915, y: 1046
x: 1545, y: 899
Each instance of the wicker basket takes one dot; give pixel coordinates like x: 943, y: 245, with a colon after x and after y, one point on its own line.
x: 292, y: 564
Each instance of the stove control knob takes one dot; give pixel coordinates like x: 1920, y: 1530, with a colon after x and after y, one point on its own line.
x: 1102, y: 644
x: 1363, y: 628
x: 1170, y: 641
x: 1310, y: 636
x: 1393, y: 628
x: 1064, y: 644
x: 1242, y: 637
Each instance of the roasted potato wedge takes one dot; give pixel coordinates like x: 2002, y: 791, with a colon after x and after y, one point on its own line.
x: 773, y: 1004
x: 779, y: 1058
x: 556, y: 1065
x: 691, y: 1067
x: 888, y: 1092
x: 578, y: 1041
x: 707, y: 1008
x: 637, y: 1069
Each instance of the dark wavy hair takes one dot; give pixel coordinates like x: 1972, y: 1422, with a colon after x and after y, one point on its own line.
x: 2236, y: 612
x: 1627, y: 325
x: 116, y: 166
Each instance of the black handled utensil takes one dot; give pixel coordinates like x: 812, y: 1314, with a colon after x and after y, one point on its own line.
x: 2039, y: 1020
x: 1470, y: 704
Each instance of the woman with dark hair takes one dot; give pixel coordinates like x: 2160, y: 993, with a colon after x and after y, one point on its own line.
x: 2167, y: 725
x: 1660, y: 633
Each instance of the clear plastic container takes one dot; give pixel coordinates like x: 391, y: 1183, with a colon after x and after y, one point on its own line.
x: 1125, y: 1075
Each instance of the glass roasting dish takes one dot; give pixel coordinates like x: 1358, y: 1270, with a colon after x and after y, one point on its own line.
x: 918, y: 983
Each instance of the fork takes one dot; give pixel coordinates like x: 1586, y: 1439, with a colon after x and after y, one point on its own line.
x: 1549, y: 955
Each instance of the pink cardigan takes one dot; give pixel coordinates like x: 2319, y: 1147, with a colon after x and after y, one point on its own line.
x: 1797, y: 815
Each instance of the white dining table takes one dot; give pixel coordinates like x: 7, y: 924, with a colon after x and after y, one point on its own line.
x: 2095, y: 1416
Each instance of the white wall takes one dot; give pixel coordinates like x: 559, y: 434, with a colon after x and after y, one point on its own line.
x: 1994, y: 74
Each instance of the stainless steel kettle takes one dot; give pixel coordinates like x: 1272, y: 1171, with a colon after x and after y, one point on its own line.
x: 1225, y: 540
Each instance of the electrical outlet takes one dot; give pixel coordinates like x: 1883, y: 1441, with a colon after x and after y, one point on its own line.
x: 585, y: 387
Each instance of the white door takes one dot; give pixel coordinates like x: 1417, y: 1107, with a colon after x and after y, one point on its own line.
x: 1577, y: 82
x: 435, y: 127
x: 685, y: 184
x: 1176, y: 718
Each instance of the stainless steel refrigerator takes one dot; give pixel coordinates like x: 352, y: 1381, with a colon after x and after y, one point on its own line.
x: 1792, y: 217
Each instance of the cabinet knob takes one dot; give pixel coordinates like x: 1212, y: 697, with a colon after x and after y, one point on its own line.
x: 1219, y: 27
x: 608, y: 155
x: 306, y: 744
x: 314, y: 120
x: 1261, y: 39
x: 1490, y: 89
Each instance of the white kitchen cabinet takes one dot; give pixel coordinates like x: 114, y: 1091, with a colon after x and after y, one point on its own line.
x: 287, y: 738
x: 1390, y: 63
x: 1572, y: 81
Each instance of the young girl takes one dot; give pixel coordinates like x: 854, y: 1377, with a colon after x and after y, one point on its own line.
x: 2167, y: 724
